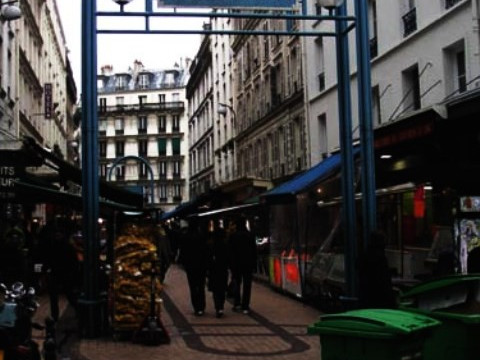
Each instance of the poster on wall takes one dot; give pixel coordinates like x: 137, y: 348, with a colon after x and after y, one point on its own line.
x: 468, y: 229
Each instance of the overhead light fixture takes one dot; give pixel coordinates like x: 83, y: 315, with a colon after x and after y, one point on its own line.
x: 122, y: 3
x: 9, y: 11
x: 385, y: 156
x: 330, y: 4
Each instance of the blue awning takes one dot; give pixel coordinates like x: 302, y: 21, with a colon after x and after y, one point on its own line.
x: 288, y: 190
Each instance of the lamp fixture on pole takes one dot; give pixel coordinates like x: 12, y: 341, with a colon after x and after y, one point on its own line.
x: 122, y: 3
x: 9, y: 11
x: 330, y: 4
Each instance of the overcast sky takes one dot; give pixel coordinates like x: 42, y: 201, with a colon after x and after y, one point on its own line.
x: 154, y: 50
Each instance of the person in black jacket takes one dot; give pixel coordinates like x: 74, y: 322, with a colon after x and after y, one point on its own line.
x: 217, y: 265
x: 193, y: 253
x: 60, y: 263
x: 375, y: 282
x: 243, y: 260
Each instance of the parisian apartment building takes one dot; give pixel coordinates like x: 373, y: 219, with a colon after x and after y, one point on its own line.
x: 248, y: 128
x: 143, y: 131
x: 38, y: 94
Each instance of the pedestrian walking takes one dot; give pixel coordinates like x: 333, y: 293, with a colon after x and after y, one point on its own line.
x: 193, y: 254
x: 217, y: 265
x: 243, y: 260
x: 375, y: 282
x: 60, y: 264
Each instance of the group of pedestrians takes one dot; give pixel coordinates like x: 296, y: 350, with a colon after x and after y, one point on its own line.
x: 216, y: 258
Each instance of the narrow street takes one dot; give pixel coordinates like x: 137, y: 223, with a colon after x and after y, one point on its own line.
x: 276, y: 328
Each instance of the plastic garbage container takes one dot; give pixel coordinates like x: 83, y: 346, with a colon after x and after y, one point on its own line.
x: 373, y: 334
x: 455, y: 302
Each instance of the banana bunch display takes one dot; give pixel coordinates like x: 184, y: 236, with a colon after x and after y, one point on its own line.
x: 134, y: 252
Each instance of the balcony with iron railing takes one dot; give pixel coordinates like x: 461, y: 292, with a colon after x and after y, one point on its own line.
x: 158, y: 106
x: 409, y: 22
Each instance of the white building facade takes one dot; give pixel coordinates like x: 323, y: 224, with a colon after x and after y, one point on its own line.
x: 143, y: 126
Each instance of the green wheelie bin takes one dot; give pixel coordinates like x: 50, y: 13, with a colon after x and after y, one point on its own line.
x: 455, y: 301
x: 373, y: 334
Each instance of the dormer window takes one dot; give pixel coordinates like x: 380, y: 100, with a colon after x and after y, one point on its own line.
x: 143, y: 81
x: 169, y: 78
x: 121, y: 82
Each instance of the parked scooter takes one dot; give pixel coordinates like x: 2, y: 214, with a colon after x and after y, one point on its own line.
x: 17, y: 307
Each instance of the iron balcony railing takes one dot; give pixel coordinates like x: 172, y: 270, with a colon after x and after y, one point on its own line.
x: 162, y: 106
x: 409, y: 22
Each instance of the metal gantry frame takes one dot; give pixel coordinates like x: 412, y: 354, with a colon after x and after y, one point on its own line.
x: 90, y: 299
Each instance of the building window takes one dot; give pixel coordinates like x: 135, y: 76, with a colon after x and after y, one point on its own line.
x: 411, y: 82
x: 175, y: 123
x: 121, y: 82
x: 142, y: 147
x: 143, y: 81
x: 450, y: 3
x: 322, y: 135
x: 162, y: 193
x: 376, y: 114
x: 120, y: 148
x: 102, y: 127
x: 142, y: 124
x: 461, y: 71
x: 162, y: 169
x: 120, y: 172
x: 175, y: 97
x: 119, y: 126
x: 142, y: 100
x: 162, y: 147
x: 176, y: 169
x: 102, y: 106
x: 102, y: 149
x: 161, y: 98
x: 177, y: 192
x: 410, y: 19
x: 321, y: 81
x: 142, y: 170
x: 373, y: 28
x: 103, y: 171
x: 162, y: 124
x: 176, y: 146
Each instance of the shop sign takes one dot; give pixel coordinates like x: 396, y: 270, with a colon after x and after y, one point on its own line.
x: 8, y: 176
x: 47, y: 92
x: 411, y: 133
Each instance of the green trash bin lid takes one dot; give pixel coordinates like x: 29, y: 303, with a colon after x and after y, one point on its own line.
x: 439, y: 283
x: 372, y: 323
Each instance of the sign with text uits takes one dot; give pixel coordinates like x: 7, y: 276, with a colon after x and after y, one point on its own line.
x: 283, y: 4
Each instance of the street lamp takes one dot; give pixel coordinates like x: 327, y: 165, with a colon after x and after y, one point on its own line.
x: 330, y: 4
x: 122, y: 3
x: 9, y: 11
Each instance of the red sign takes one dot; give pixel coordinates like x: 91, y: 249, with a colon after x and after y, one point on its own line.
x: 400, y: 136
x: 47, y: 94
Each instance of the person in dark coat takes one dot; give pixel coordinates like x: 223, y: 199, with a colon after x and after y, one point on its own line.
x: 375, y: 282
x: 243, y: 260
x: 194, y: 259
x: 60, y: 262
x: 217, y: 265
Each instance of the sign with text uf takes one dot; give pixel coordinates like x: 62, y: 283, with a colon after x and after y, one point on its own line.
x: 228, y: 3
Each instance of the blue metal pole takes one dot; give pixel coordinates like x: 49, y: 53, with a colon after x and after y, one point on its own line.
x: 369, y: 211
x: 90, y: 300
x: 345, y: 124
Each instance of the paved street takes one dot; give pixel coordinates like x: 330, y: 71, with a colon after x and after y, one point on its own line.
x: 275, y: 329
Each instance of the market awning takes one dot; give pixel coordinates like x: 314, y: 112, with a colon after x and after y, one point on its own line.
x: 70, y: 172
x: 31, y: 194
x: 287, y: 191
x: 227, y: 210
